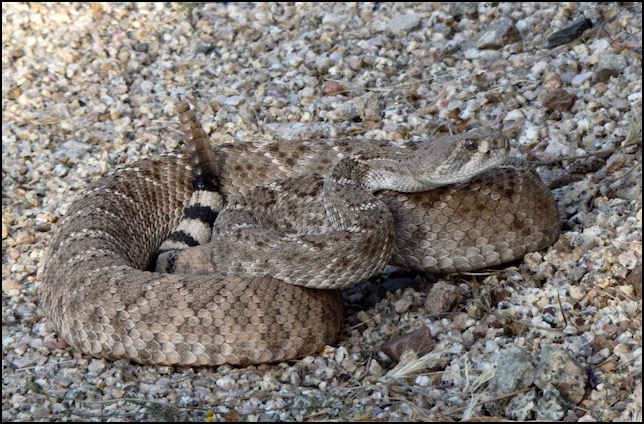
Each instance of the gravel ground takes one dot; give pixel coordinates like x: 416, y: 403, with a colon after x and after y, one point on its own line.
x: 558, y: 336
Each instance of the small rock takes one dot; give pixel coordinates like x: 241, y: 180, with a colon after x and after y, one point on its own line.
x: 61, y: 170
x: 363, y: 108
x: 558, y: 100
x: 568, y: 34
x: 232, y: 101
x: 442, y: 298
x: 226, y: 382
x: 521, y: 406
x: 550, y: 406
x: 579, y: 79
x: 63, y: 381
x: 620, y: 104
x: 402, y: 305
x: 478, y: 54
x: 422, y: 381
x: 12, y: 288
x: 96, y: 366
x: 349, y: 364
x: 558, y: 369
x: 332, y: 88
x: 16, y: 53
x: 419, y: 341
x: 375, y: 369
x: 500, y: 33
x: 73, y: 149
x: 466, y: 8
x: 514, y: 371
x: 355, y: 63
x: 610, y: 65
x: 323, y: 64
x: 400, y: 25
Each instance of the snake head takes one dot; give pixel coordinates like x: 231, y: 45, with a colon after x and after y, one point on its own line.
x: 458, y: 158
x: 438, y: 162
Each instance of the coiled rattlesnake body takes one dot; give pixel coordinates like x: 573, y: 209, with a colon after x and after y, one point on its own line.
x: 99, y: 294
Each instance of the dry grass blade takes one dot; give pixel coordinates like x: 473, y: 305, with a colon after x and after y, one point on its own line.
x: 433, y: 359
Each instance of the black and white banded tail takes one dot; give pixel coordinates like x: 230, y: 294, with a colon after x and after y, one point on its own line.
x: 207, y: 200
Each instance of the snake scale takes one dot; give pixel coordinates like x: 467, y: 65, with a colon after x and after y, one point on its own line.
x: 290, y: 218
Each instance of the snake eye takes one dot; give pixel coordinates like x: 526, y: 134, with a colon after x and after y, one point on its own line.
x: 470, y: 145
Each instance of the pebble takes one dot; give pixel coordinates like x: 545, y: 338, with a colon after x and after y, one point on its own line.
x: 558, y: 370
x: 558, y: 100
x: 609, y: 65
x: 514, y: 371
x: 442, y: 297
x: 500, y: 33
x: 402, y: 24
x: 581, y: 78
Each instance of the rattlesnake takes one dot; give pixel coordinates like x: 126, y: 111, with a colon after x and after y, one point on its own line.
x: 235, y: 306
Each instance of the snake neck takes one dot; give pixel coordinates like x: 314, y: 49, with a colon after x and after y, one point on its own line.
x: 426, y: 166
x: 367, y: 174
